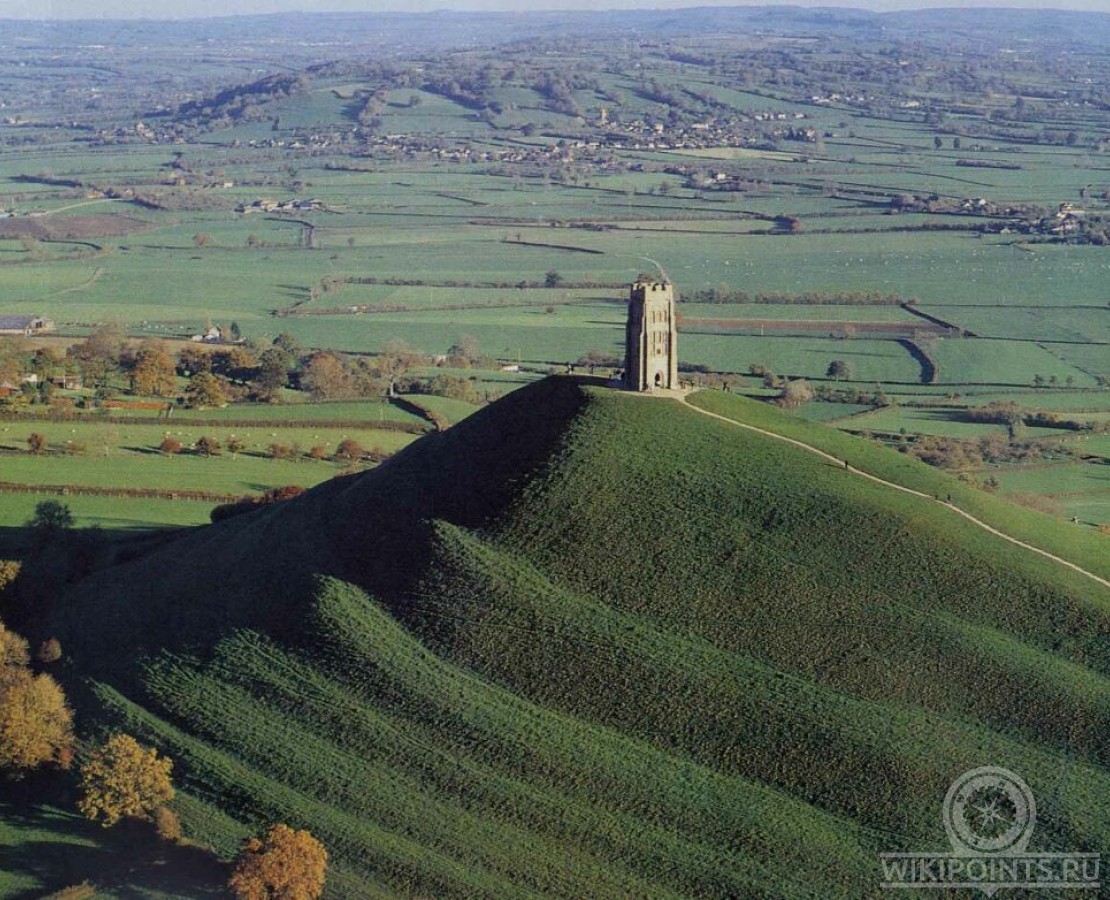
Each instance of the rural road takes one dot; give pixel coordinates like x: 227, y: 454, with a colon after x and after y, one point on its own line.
x: 50, y: 212
x: 898, y: 487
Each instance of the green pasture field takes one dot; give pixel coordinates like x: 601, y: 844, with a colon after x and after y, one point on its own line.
x: 524, y: 334
x: 263, y: 278
x: 1089, y: 507
x: 74, y: 158
x: 921, y: 421
x: 1058, y: 400
x: 113, y: 514
x: 493, y: 383
x: 871, y: 360
x: 299, y: 410
x: 686, y: 228
x: 970, y: 361
x: 936, y: 421
x: 1089, y: 323
x: 802, y: 313
x: 1095, y: 444
x: 233, y: 282
x: 837, y: 413
x: 1078, y: 489
x: 218, y: 474
x: 417, y: 297
x: 365, y: 412
x: 1093, y: 358
x: 451, y: 409
x: 105, y: 438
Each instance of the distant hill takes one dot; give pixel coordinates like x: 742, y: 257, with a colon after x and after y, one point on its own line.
x: 350, y: 35
x: 592, y: 644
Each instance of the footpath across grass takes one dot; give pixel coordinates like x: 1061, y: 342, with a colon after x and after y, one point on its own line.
x: 1083, y: 546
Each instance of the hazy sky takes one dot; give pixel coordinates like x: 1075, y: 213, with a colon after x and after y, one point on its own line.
x: 165, y: 9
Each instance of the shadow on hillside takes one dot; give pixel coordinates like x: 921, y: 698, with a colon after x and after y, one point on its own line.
x: 15, y: 541
x: 58, y: 849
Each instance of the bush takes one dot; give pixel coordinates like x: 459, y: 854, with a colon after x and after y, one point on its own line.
x: 207, y: 446
x: 167, y: 825
x: 170, y: 445
x: 9, y: 571
x: 82, y: 891
x: 350, y: 451
x: 50, y: 651
x: 795, y: 393
x: 282, y: 451
x: 250, y: 503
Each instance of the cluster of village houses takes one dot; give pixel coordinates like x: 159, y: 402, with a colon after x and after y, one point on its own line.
x: 281, y: 206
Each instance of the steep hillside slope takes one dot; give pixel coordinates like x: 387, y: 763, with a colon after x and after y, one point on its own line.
x: 592, y: 644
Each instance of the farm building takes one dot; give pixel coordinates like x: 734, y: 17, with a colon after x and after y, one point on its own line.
x: 66, y: 381
x: 24, y: 325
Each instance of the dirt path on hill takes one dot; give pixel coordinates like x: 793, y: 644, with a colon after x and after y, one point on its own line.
x: 50, y: 212
x: 898, y: 487
x: 88, y: 282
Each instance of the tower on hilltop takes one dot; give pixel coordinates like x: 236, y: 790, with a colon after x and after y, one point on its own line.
x: 651, y: 350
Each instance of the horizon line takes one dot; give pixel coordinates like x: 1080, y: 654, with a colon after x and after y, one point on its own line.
x: 568, y: 7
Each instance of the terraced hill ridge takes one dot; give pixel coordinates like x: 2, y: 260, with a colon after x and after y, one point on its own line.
x: 592, y: 644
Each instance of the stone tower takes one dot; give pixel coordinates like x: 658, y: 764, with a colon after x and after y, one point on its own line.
x: 651, y: 349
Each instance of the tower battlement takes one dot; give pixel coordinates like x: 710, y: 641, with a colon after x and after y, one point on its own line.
x: 644, y: 289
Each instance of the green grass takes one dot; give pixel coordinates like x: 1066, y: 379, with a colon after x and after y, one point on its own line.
x: 299, y: 410
x: 1058, y: 400
x: 104, y: 439
x: 1085, y: 548
x: 828, y: 412
x: 871, y: 360
x: 1002, y: 362
x: 1069, y: 490
x: 221, y: 475
x: 796, y: 312
x: 946, y: 422
x: 520, y: 677
x: 451, y: 409
x: 1035, y: 323
x: 122, y: 456
x: 111, y: 513
x: 44, y: 849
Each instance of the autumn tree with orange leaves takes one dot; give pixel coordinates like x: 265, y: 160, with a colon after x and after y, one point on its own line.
x: 283, y: 863
x: 124, y: 778
x: 36, y: 725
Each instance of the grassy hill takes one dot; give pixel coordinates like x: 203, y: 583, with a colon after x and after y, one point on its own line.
x: 592, y: 644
